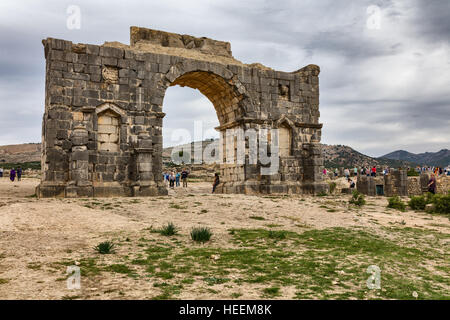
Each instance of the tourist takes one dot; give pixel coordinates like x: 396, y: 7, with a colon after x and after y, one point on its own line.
x: 12, y: 175
x: 355, y: 171
x: 324, y: 171
x: 172, y: 180
x: 1, y: 172
x: 19, y: 173
x: 184, y: 175
x: 432, y: 184
x: 177, y: 179
x: 346, y: 173
x: 374, y: 171
x: 336, y: 172
x: 216, y: 182
x: 168, y: 178
x: 351, y: 182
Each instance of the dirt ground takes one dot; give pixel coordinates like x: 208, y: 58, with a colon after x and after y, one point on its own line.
x: 38, y: 235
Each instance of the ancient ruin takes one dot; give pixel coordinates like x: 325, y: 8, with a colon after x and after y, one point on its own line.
x: 102, y: 127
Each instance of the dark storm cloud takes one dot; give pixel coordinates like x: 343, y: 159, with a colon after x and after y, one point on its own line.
x: 431, y: 20
x: 380, y: 89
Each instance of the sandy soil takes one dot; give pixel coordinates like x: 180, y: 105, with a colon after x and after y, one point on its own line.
x: 36, y: 234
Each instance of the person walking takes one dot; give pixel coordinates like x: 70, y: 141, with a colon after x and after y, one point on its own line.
x: 12, y: 175
x: 177, y: 179
x: 1, y: 172
x: 184, y: 175
x: 355, y: 171
x: 216, y: 182
x: 19, y: 173
x: 432, y: 184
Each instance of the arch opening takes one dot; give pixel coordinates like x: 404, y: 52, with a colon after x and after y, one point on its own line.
x: 221, y: 94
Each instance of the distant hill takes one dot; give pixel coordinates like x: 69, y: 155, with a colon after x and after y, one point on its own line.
x: 438, y: 159
x: 336, y: 156
x: 19, y: 153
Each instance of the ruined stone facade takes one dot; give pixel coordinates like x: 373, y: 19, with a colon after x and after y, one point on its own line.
x: 102, y: 127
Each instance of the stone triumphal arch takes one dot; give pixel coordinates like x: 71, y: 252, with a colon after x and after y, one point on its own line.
x: 102, y: 127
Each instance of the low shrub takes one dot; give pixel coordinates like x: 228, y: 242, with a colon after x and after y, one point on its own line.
x: 417, y: 203
x: 441, y: 203
x: 201, y: 234
x: 396, y: 203
x: 357, y: 199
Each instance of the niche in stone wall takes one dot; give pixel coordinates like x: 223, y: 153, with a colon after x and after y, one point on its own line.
x: 284, y: 140
x: 108, y: 131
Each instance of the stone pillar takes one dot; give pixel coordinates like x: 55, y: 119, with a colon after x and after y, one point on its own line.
x: 396, y: 183
x: 313, y: 167
x: 366, y: 185
x: 145, y: 184
x: 79, y: 183
x: 424, y: 178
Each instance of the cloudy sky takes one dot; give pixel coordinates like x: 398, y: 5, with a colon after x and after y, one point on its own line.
x: 385, y: 65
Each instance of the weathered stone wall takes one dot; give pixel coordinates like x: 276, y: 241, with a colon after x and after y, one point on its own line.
x: 414, y: 188
x: 443, y: 184
x: 102, y: 127
x: 366, y: 185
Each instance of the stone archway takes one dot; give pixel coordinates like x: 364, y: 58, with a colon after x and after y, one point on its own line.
x: 103, y: 113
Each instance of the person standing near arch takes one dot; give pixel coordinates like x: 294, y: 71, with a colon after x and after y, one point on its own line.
x: 12, y: 175
x: 216, y: 182
x: 184, y: 175
x: 177, y: 179
x: 19, y: 173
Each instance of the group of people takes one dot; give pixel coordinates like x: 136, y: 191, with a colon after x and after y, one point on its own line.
x: 173, y: 178
x: 438, y: 171
x: 354, y: 172
x: 13, y: 174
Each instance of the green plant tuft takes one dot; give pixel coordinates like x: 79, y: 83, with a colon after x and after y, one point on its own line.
x: 105, y: 247
x: 332, y: 187
x: 169, y: 230
x: 201, y: 234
